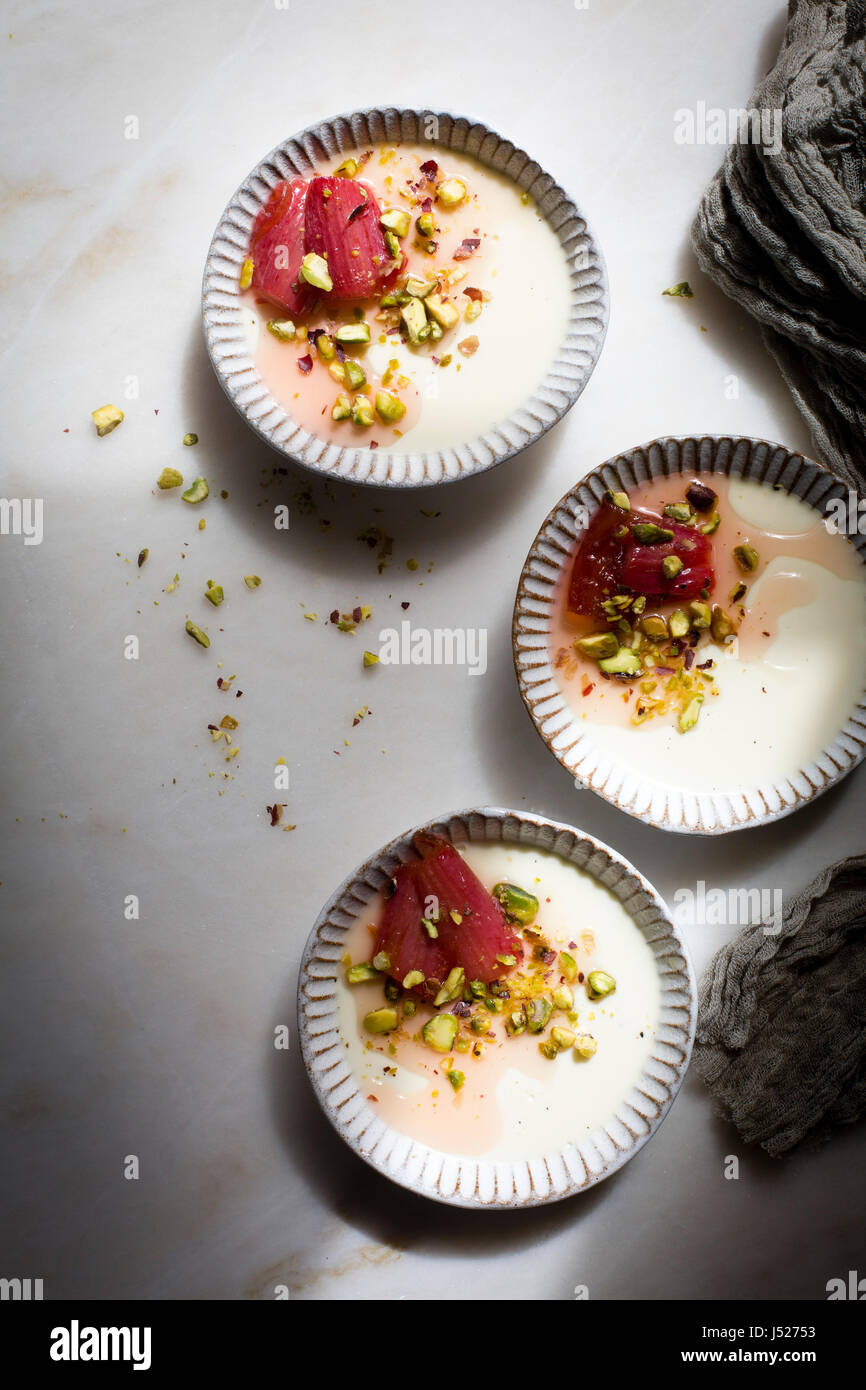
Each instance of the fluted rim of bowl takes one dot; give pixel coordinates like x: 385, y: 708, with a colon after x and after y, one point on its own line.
x: 484, y: 1183
x: 298, y: 155
x: 570, y: 741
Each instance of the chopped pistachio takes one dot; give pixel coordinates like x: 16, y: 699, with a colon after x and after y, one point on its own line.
x: 106, y: 418
x: 598, y: 645
x: 682, y: 290
x: 371, y: 659
x: 477, y: 988
x: 516, y: 1022
x: 473, y: 310
x: 671, y: 566
x: 647, y: 533
x: 388, y: 407
x: 168, y: 478
x: 414, y: 977
x: 355, y: 375
x: 409, y: 1008
x: 456, y: 1078
x: 690, y: 715
x: 585, y: 1045
x: 214, y: 592
x: 517, y: 902
x: 347, y: 170
x: 619, y: 499
x: 562, y: 1038
x: 190, y: 439
x: 654, y: 625
x: 425, y: 224
x: 721, y: 626
x: 395, y: 220
x: 247, y: 273
x: 440, y: 1031
x: 747, y: 557
x: 196, y: 632
x: 711, y: 527
x: 315, y: 271
x: 325, y: 347
x: 197, y: 491
x: 393, y: 246
x: 441, y: 311
x: 679, y: 623
x: 283, y: 329
x: 599, y: 983
x: 506, y: 959
x: 252, y: 581
x: 417, y: 288
x: 452, y: 988
x: 360, y: 974
x: 362, y: 411
x: 480, y: 1024
x: 538, y: 1012
x: 353, y: 333
x: 342, y: 408
x: 415, y: 321
x: 625, y: 663
x: 679, y: 511
x: 568, y: 965
x: 451, y: 193
x: 382, y: 961
x: 430, y: 928
x: 381, y: 1020
x: 701, y: 614
x: 563, y: 997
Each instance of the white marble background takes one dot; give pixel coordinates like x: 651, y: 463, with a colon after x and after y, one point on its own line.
x: 154, y: 1037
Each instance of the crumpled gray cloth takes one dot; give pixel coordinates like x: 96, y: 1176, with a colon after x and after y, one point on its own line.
x: 784, y: 234
x: 781, y: 1037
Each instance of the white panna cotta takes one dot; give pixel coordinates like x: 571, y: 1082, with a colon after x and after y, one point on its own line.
x: 515, y: 1103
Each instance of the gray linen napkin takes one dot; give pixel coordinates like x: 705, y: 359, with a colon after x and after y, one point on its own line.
x: 781, y: 1038
x: 783, y: 231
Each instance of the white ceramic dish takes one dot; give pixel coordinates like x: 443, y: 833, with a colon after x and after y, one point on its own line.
x: 303, y: 155
x: 556, y: 1172
x: 575, y: 744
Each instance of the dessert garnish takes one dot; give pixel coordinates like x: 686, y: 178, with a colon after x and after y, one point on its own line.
x: 473, y: 960
x: 646, y: 581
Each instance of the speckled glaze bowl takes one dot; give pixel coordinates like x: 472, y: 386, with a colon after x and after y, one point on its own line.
x: 301, y: 155
x: 570, y: 742
x: 477, y: 1182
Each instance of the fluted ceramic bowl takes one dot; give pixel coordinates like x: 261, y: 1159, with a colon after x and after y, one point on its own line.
x: 571, y: 741
x: 302, y: 155
x: 476, y: 1182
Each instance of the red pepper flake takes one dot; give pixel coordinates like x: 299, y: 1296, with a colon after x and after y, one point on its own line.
x: 468, y: 246
x: 219, y: 682
x: 314, y: 334
x: 688, y: 658
x: 239, y: 694
x: 356, y: 615
x: 305, y: 364
x: 472, y: 293
x: 580, y: 977
x: 572, y: 944
x: 335, y: 616
x: 341, y: 352
x: 427, y: 204
x: 275, y: 812
x: 430, y: 169
x: 587, y: 689
x: 212, y: 726
x: 374, y: 443
x: 358, y: 211
x: 405, y: 605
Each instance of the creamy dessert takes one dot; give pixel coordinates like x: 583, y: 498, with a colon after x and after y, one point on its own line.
x: 498, y: 1003
x: 710, y: 632
x: 406, y: 298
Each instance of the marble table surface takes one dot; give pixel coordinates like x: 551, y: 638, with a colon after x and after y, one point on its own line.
x: 150, y: 1037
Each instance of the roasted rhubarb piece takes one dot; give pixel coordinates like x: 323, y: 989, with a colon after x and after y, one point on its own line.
x: 626, y: 549
x: 342, y: 225
x: 466, y: 927
x: 277, y: 249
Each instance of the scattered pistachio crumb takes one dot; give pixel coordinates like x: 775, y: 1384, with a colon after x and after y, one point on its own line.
x: 252, y: 581
x: 682, y: 290
x: 371, y: 659
x: 168, y: 478
x: 106, y: 418
x: 196, y: 632
x: 190, y: 439
x: 197, y: 491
